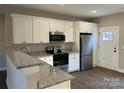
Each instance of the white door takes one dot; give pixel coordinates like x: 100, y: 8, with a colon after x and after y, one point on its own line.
x: 108, y: 47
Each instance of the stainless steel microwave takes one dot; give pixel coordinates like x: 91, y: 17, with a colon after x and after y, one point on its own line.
x: 56, y: 36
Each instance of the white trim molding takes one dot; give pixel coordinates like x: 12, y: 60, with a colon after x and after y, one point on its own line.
x: 117, y: 66
x: 121, y: 70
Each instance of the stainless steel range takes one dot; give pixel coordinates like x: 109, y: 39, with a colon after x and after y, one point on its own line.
x: 60, y: 58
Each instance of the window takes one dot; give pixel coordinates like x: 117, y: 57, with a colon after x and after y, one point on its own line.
x: 107, y: 36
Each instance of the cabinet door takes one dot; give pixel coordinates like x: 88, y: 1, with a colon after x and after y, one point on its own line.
x: 40, y: 30
x: 73, y: 62
x: 69, y: 31
x: 56, y: 25
x: 86, y: 27
x: 89, y: 28
x: 22, y: 29
x: 76, y: 61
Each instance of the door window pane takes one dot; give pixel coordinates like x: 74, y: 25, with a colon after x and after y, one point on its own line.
x: 107, y: 36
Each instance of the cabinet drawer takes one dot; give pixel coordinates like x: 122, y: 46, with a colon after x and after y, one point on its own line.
x: 74, y: 55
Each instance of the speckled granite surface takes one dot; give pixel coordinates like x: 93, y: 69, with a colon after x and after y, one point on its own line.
x: 40, y: 54
x: 22, y: 60
x: 72, y: 51
x: 48, y: 75
x: 44, y: 54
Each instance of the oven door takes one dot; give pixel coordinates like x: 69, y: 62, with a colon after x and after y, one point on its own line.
x: 57, y: 38
x: 60, y: 59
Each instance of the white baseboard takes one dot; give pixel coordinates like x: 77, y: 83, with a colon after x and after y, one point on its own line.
x: 3, y: 68
x: 121, y: 70
x: 94, y: 65
x: 118, y: 70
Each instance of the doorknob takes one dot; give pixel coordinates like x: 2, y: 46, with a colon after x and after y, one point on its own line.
x: 114, y: 47
x: 114, y: 50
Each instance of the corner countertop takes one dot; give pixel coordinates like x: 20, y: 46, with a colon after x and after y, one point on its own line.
x: 72, y: 51
x: 47, y: 76
x: 38, y: 54
x: 22, y: 60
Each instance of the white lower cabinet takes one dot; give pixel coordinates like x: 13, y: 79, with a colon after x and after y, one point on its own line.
x: 48, y: 59
x: 63, y: 85
x: 74, y: 62
x: 24, y: 78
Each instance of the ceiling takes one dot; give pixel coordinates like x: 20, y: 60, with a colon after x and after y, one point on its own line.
x: 79, y: 10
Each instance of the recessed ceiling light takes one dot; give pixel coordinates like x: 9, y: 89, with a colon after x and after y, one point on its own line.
x: 94, y: 11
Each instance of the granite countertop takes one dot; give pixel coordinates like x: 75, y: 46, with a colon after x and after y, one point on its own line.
x: 38, y: 54
x: 22, y: 60
x: 72, y: 51
x: 49, y: 76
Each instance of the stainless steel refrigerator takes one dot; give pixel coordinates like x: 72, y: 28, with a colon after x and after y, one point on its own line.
x: 86, y: 51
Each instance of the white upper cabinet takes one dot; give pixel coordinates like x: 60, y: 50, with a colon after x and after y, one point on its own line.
x: 40, y: 30
x: 69, y: 30
x: 31, y: 29
x: 56, y: 25
x: 22, y: 29
x: 86, y: 27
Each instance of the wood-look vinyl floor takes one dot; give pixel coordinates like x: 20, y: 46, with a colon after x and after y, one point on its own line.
x: 97, y: 78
